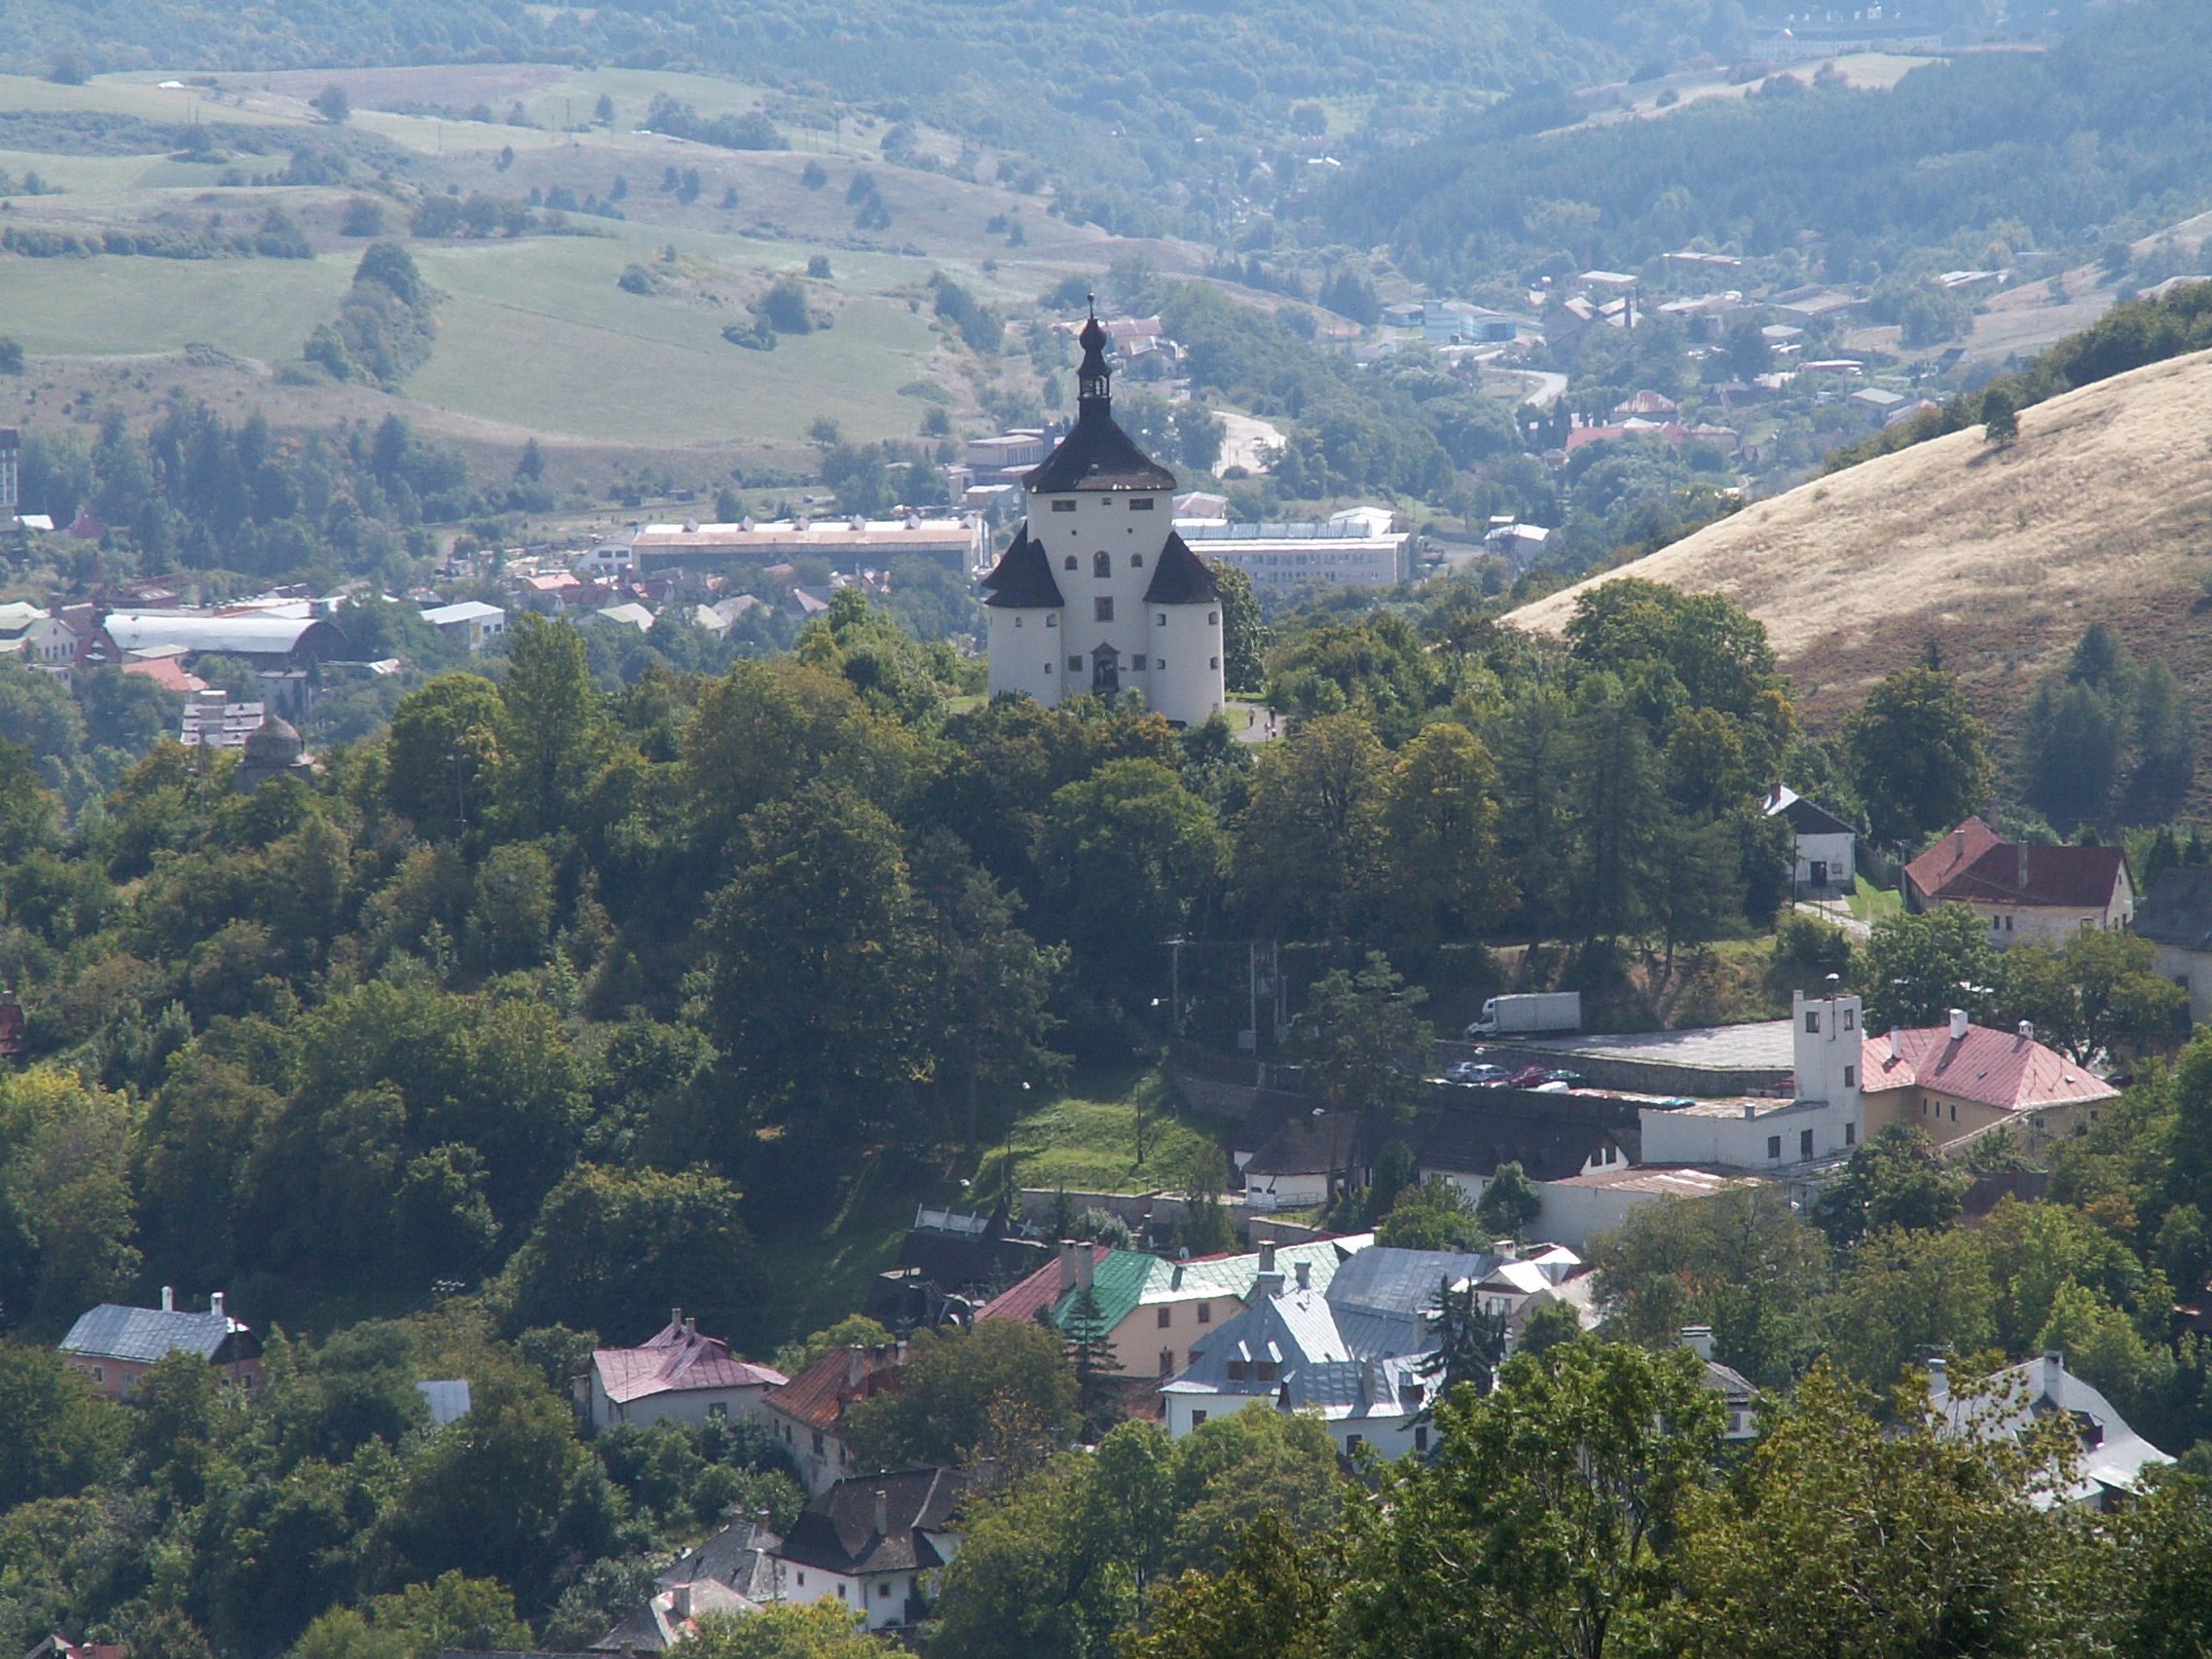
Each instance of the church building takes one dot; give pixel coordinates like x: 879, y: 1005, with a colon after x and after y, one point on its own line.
x: 1098, y: 592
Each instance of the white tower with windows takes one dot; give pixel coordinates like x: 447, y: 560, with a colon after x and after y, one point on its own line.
x: 1098, y: 593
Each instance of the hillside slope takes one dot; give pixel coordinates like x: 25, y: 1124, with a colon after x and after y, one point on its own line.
x: 2101, y: 511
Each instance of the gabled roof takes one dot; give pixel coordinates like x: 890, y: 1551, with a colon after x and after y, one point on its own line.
x: 1952, y: 853
x: 1097, y: 455
x: 2073, y: 878
x: 674, y: 1361
x: 146, y: 1336
x: 2113, y: 1454
x: 1309, y: 1143
x: 2178, y: 910
x: 1022, y: 578
x: 1039, y: 1292
x: 1181, y: 577
x: 819, y: 1395
x: 836, y: 1531
x: 1125, y: 1280
x: 2006, y: 1070
x: 1802, y: 816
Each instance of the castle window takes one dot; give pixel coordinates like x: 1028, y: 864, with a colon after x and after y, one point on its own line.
x: 1163, y: 619
x: 1017, y: 621
x: 1774, y: 1146
x: 1136, y: 662
x: 1213, y: 618
x: 1075, y: 665
x: 1066, y: 507
x: 1102, y: 611
x: 1068, y: 563
x: 1213, y: 662
x: 1136, y: 560
x: 1141, y: 504
x: 1101, y: 564
x: 1851, y: 1077
x: 1812, y: 1023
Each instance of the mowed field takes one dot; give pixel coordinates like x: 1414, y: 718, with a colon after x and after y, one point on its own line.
x: 2102, y: 511
x: 535, y: 337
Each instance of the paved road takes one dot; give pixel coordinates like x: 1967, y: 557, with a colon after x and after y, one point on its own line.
x: 1548, y: 387
x: 1248, y: 438
x: 1835, y: 915
x: 1257, y: 727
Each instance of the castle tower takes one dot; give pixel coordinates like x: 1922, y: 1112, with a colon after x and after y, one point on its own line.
x: 1098, y: 592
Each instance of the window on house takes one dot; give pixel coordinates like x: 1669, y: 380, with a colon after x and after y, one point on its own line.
x: 1101, y: 564
x: 1052, y: 620
x: 1067, y: 506
x: 1263, y: 1370
x: 1165, y: 1314
x: 1851, y: 1134
x: 1851, y: 1077
x: 1017, y: 621
x: 1136, y: 560
x: 802, y: 1581
x: 1167, y: 1362
x: 1954, y: 1113
x: 840, y: 1591
x: 1812, y: 1022
x: 1069, y: 564
x: 1137, y: 662
x: 1197, y: 1419
x: 1141, y: 504
x: 717, y: 1410
x: 1774, y: 1146
x: 1237, y: 1371
x: 100, y: 1373
x: 1161, y: 620
x: 1804, y: 1143
x: 1213, y: 662
x: 1213, y: 618
x: 818, y: 1446
x: 1352, y: 1443
x: 1850, y: 1020
x: 1205, y: 1312
x: 1421, y: 1440
x: 883, y: 1589
x: 1102, y: 611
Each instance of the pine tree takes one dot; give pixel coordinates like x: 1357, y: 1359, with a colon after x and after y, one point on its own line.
x: 1471, y: 1343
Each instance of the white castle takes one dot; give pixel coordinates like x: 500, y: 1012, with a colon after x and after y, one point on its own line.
x: 1098, y: 593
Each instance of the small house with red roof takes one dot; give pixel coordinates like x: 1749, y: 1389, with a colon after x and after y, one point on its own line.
x: 2023, y: 892
x: 807, y: 1414
x: 1957, y: 1078
x: 677, y: 1373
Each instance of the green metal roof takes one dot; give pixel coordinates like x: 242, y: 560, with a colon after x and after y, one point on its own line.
x: 1125, y: 1280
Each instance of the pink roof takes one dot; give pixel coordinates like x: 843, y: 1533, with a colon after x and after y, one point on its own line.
x: 166, y: 673
x: 1034, y: 1294
x: 2000, y: 1069
x: 676, y: 1359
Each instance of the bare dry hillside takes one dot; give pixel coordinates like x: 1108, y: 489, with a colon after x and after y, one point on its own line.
x: 2102, y: 510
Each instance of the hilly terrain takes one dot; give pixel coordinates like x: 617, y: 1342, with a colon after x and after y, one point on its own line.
x: 1999, y: 556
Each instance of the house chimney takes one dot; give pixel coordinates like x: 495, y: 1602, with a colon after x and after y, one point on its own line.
x: 215, y: 1305
x: 2027, y: 1031
x: 1698, y: 1339
x: 690, y: 1329
x: 1370, y: 1381
x: 2054, y: 1368
x: 1268, y: 1257
x: 1958, y: 1024
x: 680, y: 1601
x: 882, y: 1513
x: 856, y: 1366
x: 1086, y: 1264
x: 2023, y: 861
x: 1938, y: 1381
x: 1304, y: 1273
x: 169, y: 1299
x: 1897, y: 1043
x: 1751, y: 1108
x: 676, y: 1319
x: 1068, y: 1249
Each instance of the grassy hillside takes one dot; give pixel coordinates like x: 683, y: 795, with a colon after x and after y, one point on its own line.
x: 2102, y: 511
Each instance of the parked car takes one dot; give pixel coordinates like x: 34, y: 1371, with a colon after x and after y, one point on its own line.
x: 1528, y: 1077
x: 1571, y: 1079
x: 1474, y: 1074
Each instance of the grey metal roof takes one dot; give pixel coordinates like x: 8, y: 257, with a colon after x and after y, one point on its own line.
x: 147, y: 1335
x: 2113, y: 1454
x: 243, y: 636
x: 1385, y: 1280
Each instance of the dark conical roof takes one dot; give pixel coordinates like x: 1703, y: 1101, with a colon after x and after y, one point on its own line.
x: 1097, y: 455
x: 1181, y: 577
x: 276, y: 742
x: 1022, y: 578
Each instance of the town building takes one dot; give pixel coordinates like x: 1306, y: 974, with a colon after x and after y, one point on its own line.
x: 274, y: 749
x: 875, y: 1543
x: 2176, y: 917
x: 1824, y: 1120
x: 1351, y: 550
x: 2023, y: 892
x: 807, y: 1414
x: 962, y: 544
x: 1154, y: 1311
x: 2013, y: 1401
x: 116, y: 1346
x: 1824, y: 849
x: 732, y: 1572
x: 1957, y: 1080
x: 675, y: 1372
x: 266, y: 641
x: 1098, y: 592
x: 1737, y: 1396
x: 472, y: 622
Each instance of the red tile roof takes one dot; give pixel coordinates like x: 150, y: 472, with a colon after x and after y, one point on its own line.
x: 1952, y: 853
x: 677, y: 1358
x: 2073, y: 878
x: 1034, y: 1294
x: 2000, y: 1069
x: 819, y: 1395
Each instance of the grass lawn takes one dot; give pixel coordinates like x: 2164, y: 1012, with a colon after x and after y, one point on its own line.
x: 113, y: 306
x: 820, y: 1280
x: 1867, y: 903
x: 536, y: 333
x: 1086, y: 1139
